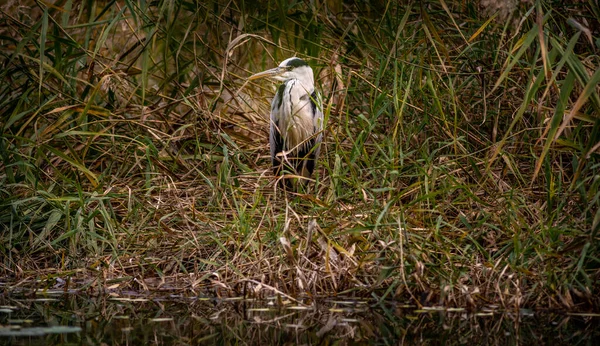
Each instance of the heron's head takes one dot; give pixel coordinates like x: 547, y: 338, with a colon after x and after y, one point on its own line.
x: 291, y: 68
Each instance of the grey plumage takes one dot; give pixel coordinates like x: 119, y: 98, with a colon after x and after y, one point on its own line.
x: 296, y: 119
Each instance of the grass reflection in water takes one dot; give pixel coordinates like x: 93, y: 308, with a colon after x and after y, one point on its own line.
x: 133, y: 320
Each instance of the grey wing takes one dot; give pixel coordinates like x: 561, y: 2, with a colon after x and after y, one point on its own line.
x: 316, y: 104
x: 310, y: 153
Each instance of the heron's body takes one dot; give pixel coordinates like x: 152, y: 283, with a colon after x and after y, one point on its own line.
x: 296, y: 119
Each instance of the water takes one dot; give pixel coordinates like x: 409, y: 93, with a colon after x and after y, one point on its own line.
x: 131, y: 319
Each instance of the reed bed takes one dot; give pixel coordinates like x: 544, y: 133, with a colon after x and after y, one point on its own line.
x: 459, y: 167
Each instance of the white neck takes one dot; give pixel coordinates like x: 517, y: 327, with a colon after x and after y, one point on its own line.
x: 306, y: 78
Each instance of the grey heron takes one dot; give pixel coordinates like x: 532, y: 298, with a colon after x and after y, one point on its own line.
x: 296, y: 129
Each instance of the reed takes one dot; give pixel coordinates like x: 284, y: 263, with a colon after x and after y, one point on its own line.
x: 459, y: 164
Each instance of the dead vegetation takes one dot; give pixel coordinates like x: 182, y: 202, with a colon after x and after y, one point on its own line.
x: 459, y: 167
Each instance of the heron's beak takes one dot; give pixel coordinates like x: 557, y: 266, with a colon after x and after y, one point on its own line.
x: 274, y: 72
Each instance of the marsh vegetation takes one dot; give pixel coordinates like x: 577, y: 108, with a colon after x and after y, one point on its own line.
x: 459, y: 164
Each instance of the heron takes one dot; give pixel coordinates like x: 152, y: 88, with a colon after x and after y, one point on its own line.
x: 296, y: 125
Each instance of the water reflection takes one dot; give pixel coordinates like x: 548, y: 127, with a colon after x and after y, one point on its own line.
x: 135, y: 320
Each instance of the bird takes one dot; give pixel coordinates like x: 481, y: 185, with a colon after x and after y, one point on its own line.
x: 296, y: 121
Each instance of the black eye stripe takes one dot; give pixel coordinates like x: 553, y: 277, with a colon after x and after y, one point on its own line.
x: 296, y: 62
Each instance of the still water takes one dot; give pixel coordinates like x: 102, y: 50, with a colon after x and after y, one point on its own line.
x: 131, y: 319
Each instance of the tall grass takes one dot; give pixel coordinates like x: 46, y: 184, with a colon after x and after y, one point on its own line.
x: 459, y: 164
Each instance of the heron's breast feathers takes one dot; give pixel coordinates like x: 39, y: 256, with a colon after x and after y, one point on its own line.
x: 296, y: 116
